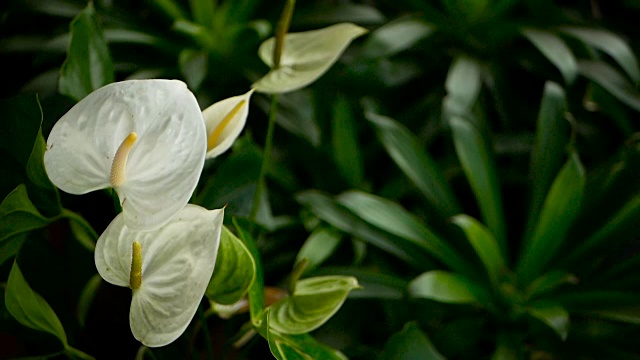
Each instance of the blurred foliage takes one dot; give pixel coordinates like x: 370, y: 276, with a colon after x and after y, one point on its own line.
x: 471, y: 162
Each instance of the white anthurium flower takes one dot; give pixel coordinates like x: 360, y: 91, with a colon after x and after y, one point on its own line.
x: 305, y: 56
x: 168, y: 270
x: 224, y: 121
x: 145, y: 138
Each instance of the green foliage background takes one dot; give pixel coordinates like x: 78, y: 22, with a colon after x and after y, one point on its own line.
x: 473, y: 163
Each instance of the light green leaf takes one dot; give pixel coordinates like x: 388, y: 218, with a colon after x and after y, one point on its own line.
x: 345, y: 143
x: 394, y: 219
x: 555, y: 50
x: 86, y: 298
x: 256, y: 289
x: 88, y: 65
x: 558, y: 213
x: 552, y: 137
x: 445, y: 287
x: 305, y: 57
x: 484, y: 244
x: 314, y: 301
x: 320, y: 245
x: 18, y: 215
x: 193, y: 65
x: 410, y: 344
x: 609, y: 43
x: 611, y: 80
x: 234, y: 272
x: 395, y: 36
x: 553, y: 315
x: 29, y: 308
x: 417, y: 165
x: 463, y: 86
x: 294, y: 347
x: 476, y: 157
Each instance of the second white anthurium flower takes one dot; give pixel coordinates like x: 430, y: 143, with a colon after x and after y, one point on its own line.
x: 144, y: 138
x: 305, y: 56
x: 168, y: 270
x: 224, y: 121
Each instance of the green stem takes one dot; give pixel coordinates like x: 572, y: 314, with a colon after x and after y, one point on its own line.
x: 205, y: 333
x: 257, y: 196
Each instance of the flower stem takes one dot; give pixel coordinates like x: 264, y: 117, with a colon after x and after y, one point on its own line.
x: 257, y: 196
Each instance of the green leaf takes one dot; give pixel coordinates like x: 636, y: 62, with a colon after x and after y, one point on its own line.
x: 193, y: 66
x: 629, y: 314
x: 346, y: 147
x: 484, y: 244
x: 549, y: 282
x: 29, y: 308
x: 88, y: 65
x: 320, y: 245
x: 410, y: 344
x: 328, y: 210
x: 395, y: 36
x: 203, y: 11
x: 463, y: 86
x: 45, y: 193
x: 18, y: 215
x: 470, y: 9
x: 314, y: 301
x: 256, y: 290
x: 416, y: 164
x: 611, y: 80
x: 558, y: 213
x: 609, y: 43
x: 305, y: 57
x: 170, y: 8
x: 555, y: 50
x: 234, y: 272
x: 392, y: 218
x: 303, y: 347
x: 9, y: 248
x: 552, y: 138
x: 81, y: 230
x: 447, y: 287
x: 86, y: 298
x: 553, y: 315
x: 476, y: 158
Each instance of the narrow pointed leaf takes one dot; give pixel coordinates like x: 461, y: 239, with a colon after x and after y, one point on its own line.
x: 417, y: 165
x: 306, y: 56
x: 609, y: 43
x: 555, y: 50
x: 552, y: 137
x: 193, y: 66
x: 203, y: 11
x: 18, y: 215
x: 395, y: 36
x: 392, y: 218
x: 446, y: 287
x: 234, y: 272
x: 320, y: 245
x: 558, y: 213
x: 314, y: 301
x: 345, y: 143
x: 410, y: 344
x: 484, y: 244
x: 553, y: 315
x: 88, y: 65
x: 463, y: 86
x: 29, y: 308
x: 611, y: 80
x: 476, y: 157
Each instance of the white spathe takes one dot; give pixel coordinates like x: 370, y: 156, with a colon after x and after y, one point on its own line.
x: 163, y: 164
x: 305, y: 56
x: 224, y: 121
x: 177, y: 263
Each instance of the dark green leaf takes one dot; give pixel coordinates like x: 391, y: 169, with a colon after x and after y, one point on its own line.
x: 463, y: 86
x: 417, y: 165
x: 88, y: 65
x: 447, y: 287
x: 476, y: 158
x: 170, y: 8
x: 611, y: 80
x: 320, y: 245
x: 553, y: 315
x: 81, y: 230
x: 234, y: 272
x: 558, y: 213
x: 549, y: 282
x: 295, y: 114
x: 18, y: 215
x: 346, y: 146
x: 86, y: 298
x: 314, y: 301
x: 555, y: 50
x: 395, y: 36
x: 20, y: 126
x: 256, y: 290
x: 470, y: 9
x: 410, y: 344
x: 29, y: 308
x: 202, y: 12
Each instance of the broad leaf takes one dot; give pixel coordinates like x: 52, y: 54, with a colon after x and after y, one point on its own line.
x: 29, y: 308
x: 558, y: 213
x: 234, y: 272
x: 88, y: 65
x: 318, y: 247
x: 18, y: 215
x: 463, y: 86
x: 612, y: 81
x: 555, y: 50
x: 446, y: 287
x: 410, y: 344
x: 553, y: 315
x: 417, y: 165
x: 314, y: 301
